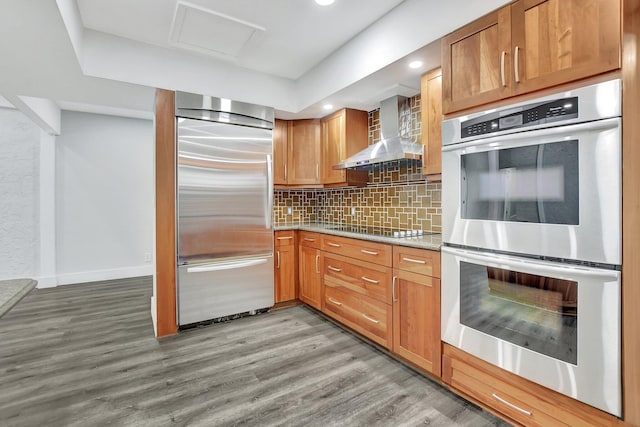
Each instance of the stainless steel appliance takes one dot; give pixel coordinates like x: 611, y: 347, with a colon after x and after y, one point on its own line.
x: 532, y: 240
x: 225, y: 205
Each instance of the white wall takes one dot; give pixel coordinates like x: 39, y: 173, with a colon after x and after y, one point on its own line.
x: 104, y: 197
x: 19, y: 193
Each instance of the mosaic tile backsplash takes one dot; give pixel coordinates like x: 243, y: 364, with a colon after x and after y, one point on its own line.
x: 395, y: 197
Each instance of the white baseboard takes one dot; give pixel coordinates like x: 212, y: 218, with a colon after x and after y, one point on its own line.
x: 98, y: 275
x: 46, y: 282
x: 153, y: 315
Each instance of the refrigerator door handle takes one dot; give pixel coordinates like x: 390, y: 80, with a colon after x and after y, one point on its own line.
x: 269, y: 212
x: 228, y: 265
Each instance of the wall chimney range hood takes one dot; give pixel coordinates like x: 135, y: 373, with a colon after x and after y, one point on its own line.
x: 391, y: 147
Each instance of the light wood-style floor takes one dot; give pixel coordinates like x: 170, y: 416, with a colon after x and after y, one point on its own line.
x: 85, y: 355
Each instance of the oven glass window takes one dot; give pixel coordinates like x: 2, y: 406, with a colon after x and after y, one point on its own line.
x: 536, y: 183
x: 538, y: 313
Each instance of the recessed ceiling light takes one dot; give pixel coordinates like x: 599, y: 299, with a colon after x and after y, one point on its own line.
x: 415, y: 64
x: 324, y: 2
x: 327, y: 106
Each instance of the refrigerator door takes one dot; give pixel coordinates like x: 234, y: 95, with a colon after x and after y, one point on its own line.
x: 224, y: 287
x: 225, y: 192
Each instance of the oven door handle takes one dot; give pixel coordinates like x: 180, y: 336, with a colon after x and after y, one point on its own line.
x: 514, y: 139
x: 544, y: 267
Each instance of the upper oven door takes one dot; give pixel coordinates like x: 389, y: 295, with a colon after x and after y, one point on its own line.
x: 553, y: 192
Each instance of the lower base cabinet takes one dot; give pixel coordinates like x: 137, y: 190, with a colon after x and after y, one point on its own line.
x: 310, y: 283
x: 285, y: 266
x: 521, y: 400
x: 363, y: 314
x: 416, y: 319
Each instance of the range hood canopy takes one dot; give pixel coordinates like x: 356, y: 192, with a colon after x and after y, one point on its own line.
x: 391, y: 146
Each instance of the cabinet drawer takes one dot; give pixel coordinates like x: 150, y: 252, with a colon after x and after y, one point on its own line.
x: 519, y: 399
x: 284, y: 238
x: 419, y: 261
x: 309, y: 239
x: 378, y: 253
x: 362, y: 277
x: 365, y: 315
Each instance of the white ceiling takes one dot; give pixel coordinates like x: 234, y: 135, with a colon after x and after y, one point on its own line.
x: 290, y: 54
x: 296, y: 35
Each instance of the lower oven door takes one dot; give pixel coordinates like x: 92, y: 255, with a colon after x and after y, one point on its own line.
x: 555, y: 324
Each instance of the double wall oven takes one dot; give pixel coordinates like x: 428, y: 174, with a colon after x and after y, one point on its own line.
x: 532, y: 240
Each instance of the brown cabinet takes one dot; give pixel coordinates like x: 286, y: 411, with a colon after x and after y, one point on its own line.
x: 303, y: 152
x: 310, y: 273
x: 280, y: 152
x: 285, y: 261
x: 527, y: 46
x: 416, y: 307
x: 344, y: 133
x: 520, y: 400
x: 431, y: 96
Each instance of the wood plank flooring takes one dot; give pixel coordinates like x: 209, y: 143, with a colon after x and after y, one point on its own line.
x: 85, y: 355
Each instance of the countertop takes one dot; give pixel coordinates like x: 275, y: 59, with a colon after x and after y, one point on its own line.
x: 427, y: 241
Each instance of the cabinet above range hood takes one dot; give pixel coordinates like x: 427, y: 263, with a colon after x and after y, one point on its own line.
x: 391, y: 147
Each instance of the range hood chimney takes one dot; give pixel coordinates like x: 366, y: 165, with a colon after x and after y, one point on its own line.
x: 391, y: 145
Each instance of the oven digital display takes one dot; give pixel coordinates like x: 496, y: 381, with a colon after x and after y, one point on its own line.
x: 535, y: 312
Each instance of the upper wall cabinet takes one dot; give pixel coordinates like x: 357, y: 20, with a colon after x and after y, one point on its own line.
x: 431, y: 96
x: 280, y: 156
x: 344, y: 133
x: 303, y: 152
x: 527, y: 46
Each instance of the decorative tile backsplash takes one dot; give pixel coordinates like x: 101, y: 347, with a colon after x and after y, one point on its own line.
x: 395, y: 197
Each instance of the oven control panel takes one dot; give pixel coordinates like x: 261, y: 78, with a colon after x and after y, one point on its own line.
x: 556, y: 110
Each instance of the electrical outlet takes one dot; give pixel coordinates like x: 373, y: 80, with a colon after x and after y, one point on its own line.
x: 353, y: 211
x: 147, y: 257
x: 289, y: 210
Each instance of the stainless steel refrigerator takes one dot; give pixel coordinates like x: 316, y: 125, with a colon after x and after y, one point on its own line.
x: 225, y: 205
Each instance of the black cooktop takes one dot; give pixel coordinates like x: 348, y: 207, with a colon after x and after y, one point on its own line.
x: 377, y: 231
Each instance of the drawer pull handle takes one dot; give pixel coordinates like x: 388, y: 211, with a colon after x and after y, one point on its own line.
x: 309, y: 239
x: 511, y: 405
x: 370, y: 319
x: 284, y: 238
x: 317, y: 259
x: 364, y: 251
x: 335, y: 245
x: 334, y: 301
x: 366, y: 279
x: 417, y: 261
x: 332, y: 268
x: 278, y: 259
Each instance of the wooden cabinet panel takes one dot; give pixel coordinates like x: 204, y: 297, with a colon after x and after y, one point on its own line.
x: 416, y: 319
x: 344, y: 133
x: 365, y: 315
x: 303, y: 152
x: 378, y: 253
x: 280, y: 152
x: 310, y: 281
x: 504, y: 391
x: 285, y: 266
x: 362, y: 277
x: 475, y: 61
x: 431, y: 95
x: 557, y: 41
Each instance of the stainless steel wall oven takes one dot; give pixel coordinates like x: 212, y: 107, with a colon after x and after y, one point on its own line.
x: 532, y: 240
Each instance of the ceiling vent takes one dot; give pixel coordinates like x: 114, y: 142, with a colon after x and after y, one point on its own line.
x: 206, y: 31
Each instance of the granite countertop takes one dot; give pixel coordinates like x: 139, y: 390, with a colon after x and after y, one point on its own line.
x: 427, y: 241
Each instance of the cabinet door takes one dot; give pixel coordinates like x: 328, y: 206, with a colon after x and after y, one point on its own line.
x: 416, y: 319
x: 431, y: 94
x: 310, y: 291
x: 280, y: 137
x: 333, y: 147
x: 475, y: 62
x: 557, y: 41
x: 304, y: 152
x: 285, y: 273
